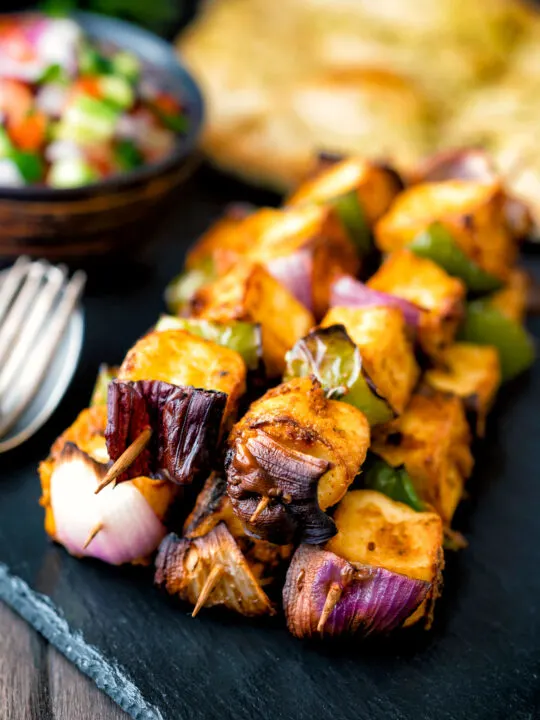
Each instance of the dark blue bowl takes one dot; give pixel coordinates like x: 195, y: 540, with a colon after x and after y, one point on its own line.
x: 118, y: 212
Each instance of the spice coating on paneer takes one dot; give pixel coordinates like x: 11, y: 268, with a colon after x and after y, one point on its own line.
x: 387, y: 354
x: 472, y: 212
x: 375, y: 530
x: 248, y: 292
x: 423, y: 283
x: 298, y: 451
x: 511, y: 300
x: 432, y: 439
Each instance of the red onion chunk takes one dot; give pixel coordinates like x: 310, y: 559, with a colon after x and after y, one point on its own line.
x: 326, y: 595
x: 130, y: 529
x: 458, y: 164
x: 295, y: 272
x: 185, y: 422
x: 348, y: 292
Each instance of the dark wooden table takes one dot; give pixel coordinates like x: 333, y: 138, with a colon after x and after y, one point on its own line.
x: 37, y: 683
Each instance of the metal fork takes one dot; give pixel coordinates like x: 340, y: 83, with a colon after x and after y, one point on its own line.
x: 36, y: 303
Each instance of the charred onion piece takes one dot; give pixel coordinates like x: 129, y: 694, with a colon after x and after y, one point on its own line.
x: 264, y: 470
x: 208, y: 571
x: 185, y: 423
x: 324, y: 594
x: 346, y: 291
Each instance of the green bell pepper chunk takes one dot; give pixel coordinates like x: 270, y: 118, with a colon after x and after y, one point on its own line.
x: 331, y: 356
x: 92, y: 62
x: 54, y: 74
x: 486, y: 325
x: 106, y: 375
x: 183, y: 287
x: 436, y: 244
x: 176, y: 122
x: 395, y: 482
x: 353, y: 219
x: 244, y: 337
x: 127, y: 155
x: 29, y: 164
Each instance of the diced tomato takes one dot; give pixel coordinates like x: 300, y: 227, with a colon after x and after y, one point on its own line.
x: 14, y: 42
x: 101, y: 158
x: 15, y: 99
x: 29, y: 133
x: 85, y: 85
x: 166, y: 103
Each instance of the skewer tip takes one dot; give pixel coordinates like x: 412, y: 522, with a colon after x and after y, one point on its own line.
x: 93, y: 532
x: 215, y: 575
x: 261, y: 507
x: 332, y: 599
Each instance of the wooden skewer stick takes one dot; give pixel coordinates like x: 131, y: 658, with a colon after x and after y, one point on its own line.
x: 129, y: 455
x: 216, y: 573
x: 330, y: 603
x: 263, y: 504
x: 93, y: 532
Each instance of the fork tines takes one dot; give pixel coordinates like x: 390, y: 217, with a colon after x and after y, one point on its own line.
x: 36, y: 303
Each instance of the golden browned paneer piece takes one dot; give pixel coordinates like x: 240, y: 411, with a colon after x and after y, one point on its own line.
x: 298, y: 452
x: 432, y: 439
x: 511, y: 300
x: 374, y: 184
x: 180, y: 358
x: 248, y: 292
x: 306, y: 239
x: 223, y: 234
x: 473, y: 373
x: 387, y: 354
x: 375, y: 530
x: 425, y: 284
x: 472, y: 212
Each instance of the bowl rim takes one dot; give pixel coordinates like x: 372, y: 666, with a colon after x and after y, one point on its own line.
x: 162, y: 51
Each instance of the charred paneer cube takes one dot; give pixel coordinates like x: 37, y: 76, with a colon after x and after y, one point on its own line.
x: 302, y: 247
x: 357, y: 191
x: 250, y: 293
x: 432, y: 440
x: 472, y: 214
x: 292, y: 456
x: 373, y: 529
x: 387, y: 354
x: 425, y: 284
x: 473, y: 373
x: 511, y: 300
x: 94, y: 525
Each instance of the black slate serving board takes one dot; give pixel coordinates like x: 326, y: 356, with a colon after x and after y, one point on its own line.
x: 481, y: 660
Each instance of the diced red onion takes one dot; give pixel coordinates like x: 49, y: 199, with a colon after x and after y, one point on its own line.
x: 57, y: 43
x: 348, y: 292
x: 9, y: 174
x: 63, y: 150
x: 27, y: 71
x: 460, y: 164
x: 131, y: 530
x: 51, y: 99
x: 295, y: 272
x: 364, y: 599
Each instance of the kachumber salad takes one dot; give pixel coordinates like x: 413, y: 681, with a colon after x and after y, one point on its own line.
x: 296, y: 435
x: 73, y: 112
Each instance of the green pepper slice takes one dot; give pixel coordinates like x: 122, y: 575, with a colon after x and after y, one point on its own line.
x: 183, y: 287
x: 127, y: 155
x: 106, y: 374
x: 29, y: 164
x: 244, y: 337
x: 395, y: 482
x: 331, y: 356
x: 436, y: 244
x: 486, y: 325
x: 353, y: 219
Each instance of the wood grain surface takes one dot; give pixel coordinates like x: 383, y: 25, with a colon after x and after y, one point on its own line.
x: 37, y: 683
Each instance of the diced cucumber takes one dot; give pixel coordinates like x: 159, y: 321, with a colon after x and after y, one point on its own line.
x: 117, y: 90
x: 92, y: 62
x: 126, y: 64
x: 88, y: 120
x: 71, y: 172
x: 127, y: 155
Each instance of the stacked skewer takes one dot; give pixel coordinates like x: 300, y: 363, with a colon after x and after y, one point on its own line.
x: 291, y: 425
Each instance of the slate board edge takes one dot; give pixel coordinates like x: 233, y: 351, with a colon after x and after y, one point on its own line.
x: 43, y: 616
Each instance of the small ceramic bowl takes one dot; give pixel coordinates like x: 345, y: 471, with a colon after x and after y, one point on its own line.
x: 115, y: 214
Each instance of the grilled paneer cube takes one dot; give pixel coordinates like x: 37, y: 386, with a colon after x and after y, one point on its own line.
x: 180, y: 358
x: 511, y: 300
x: 248, y: 292
x: 375, y: 530
x: 473, y: 213
x: 387, y: 355
x: 293, y: 455
x: 432, y: 440
x: 95, y: 525
x: 473, y: 373
x: 303, y: 247
x: 358, y: 192
x: 425, y: 284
